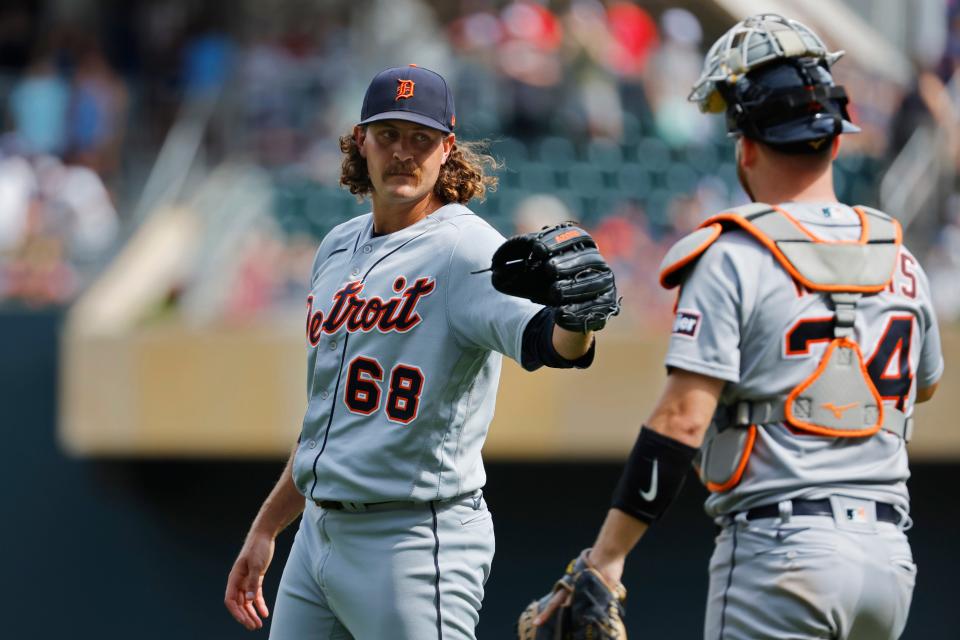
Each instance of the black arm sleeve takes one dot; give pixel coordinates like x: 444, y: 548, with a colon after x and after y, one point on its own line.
x: 653, y: 475
x: 537, y: 348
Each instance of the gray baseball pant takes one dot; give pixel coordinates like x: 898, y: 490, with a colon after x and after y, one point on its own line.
x: 410, y: 573
x: 805, y: 577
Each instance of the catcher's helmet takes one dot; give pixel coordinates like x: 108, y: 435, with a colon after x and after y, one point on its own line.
x: 772, y: 77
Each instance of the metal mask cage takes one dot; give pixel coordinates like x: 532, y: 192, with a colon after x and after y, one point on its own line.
x: 754, y: 42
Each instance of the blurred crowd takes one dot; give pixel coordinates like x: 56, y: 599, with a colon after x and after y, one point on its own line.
x: 65, y: 114
x: 584, y: 102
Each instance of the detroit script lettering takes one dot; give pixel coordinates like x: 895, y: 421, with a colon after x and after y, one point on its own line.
x: 357, y: 313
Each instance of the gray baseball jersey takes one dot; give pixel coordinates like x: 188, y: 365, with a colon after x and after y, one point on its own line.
x: 404, y: 345
x: 742, y: 318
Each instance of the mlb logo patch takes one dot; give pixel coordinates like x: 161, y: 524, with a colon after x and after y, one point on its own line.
x: 856, y: 514
x: 687, y: 323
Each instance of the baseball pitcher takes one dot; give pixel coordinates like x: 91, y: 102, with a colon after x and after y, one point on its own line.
x: 804, y: 336
x: 404, y: 335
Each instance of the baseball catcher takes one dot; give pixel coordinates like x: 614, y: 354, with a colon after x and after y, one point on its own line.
x: 804, y: 336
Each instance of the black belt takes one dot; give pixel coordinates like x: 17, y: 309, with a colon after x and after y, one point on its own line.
x: 885, y: 512
x: 337, y: 505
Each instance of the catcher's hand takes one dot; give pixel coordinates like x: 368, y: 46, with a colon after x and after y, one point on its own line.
x: 559, y: 267
x: 590, y: 608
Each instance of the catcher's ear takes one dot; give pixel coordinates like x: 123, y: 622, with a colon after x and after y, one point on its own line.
x: 746, y: 151
x: 359, y: 135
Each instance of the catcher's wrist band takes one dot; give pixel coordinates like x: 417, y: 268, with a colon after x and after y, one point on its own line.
x: 653, y: 475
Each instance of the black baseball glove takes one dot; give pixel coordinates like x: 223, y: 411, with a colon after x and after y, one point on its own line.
x: 592, y: 610
x: 559, y: 267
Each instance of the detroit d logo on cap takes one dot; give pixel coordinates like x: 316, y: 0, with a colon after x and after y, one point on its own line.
x: 404, y: 89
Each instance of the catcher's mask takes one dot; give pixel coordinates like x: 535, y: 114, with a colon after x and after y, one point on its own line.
x: 771, y: 76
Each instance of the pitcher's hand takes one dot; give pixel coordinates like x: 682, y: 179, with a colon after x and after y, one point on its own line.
x: 244, y: 596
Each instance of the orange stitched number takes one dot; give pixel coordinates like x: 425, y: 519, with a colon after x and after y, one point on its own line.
x: 889, y: 366
x: 806, y: 332
x: 362, y: 393
x: 404, y: 397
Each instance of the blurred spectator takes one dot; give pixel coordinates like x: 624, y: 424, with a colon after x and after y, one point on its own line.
x: 529, y: 58
x: 56, y: 221
x: 271, y: 273
x: 38, y: 107
x: 624, y: 239
x: 267, y: 72
x: 18, y: 188
x: 586, y: 101
x: 83, y: 203
x: 676, y: 65
x: 874, y: 104
x: 98, y: 113
x: 540, y: 210
x: 475, y: 37
x: 258, y: 276
x: 35, y: 267
x: 594, y: 68
x: 37, y: 273
x: 207, y: 60
x: 634, y: 38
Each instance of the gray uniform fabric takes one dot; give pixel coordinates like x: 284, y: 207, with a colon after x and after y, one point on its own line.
x: 404, y: 349
x: 736, y: 312
x: 374, y: 575
x: 809, y: 577
x: 461, y: 327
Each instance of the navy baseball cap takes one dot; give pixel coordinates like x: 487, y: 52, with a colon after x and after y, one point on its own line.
x: 409, y: 93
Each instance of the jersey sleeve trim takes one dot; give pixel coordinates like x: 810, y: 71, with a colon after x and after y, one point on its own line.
x: 517, y: 354
x: 932, y: 378
x: 712, y: 370
x: 686, y: 251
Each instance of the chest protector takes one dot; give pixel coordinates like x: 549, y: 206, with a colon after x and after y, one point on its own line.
x: 838, y: 399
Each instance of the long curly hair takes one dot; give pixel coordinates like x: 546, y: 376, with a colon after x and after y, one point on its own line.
x: 462, y: 178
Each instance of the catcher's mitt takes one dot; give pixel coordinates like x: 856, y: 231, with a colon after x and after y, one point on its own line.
x: 593, y: 610
x: 554, y: 266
